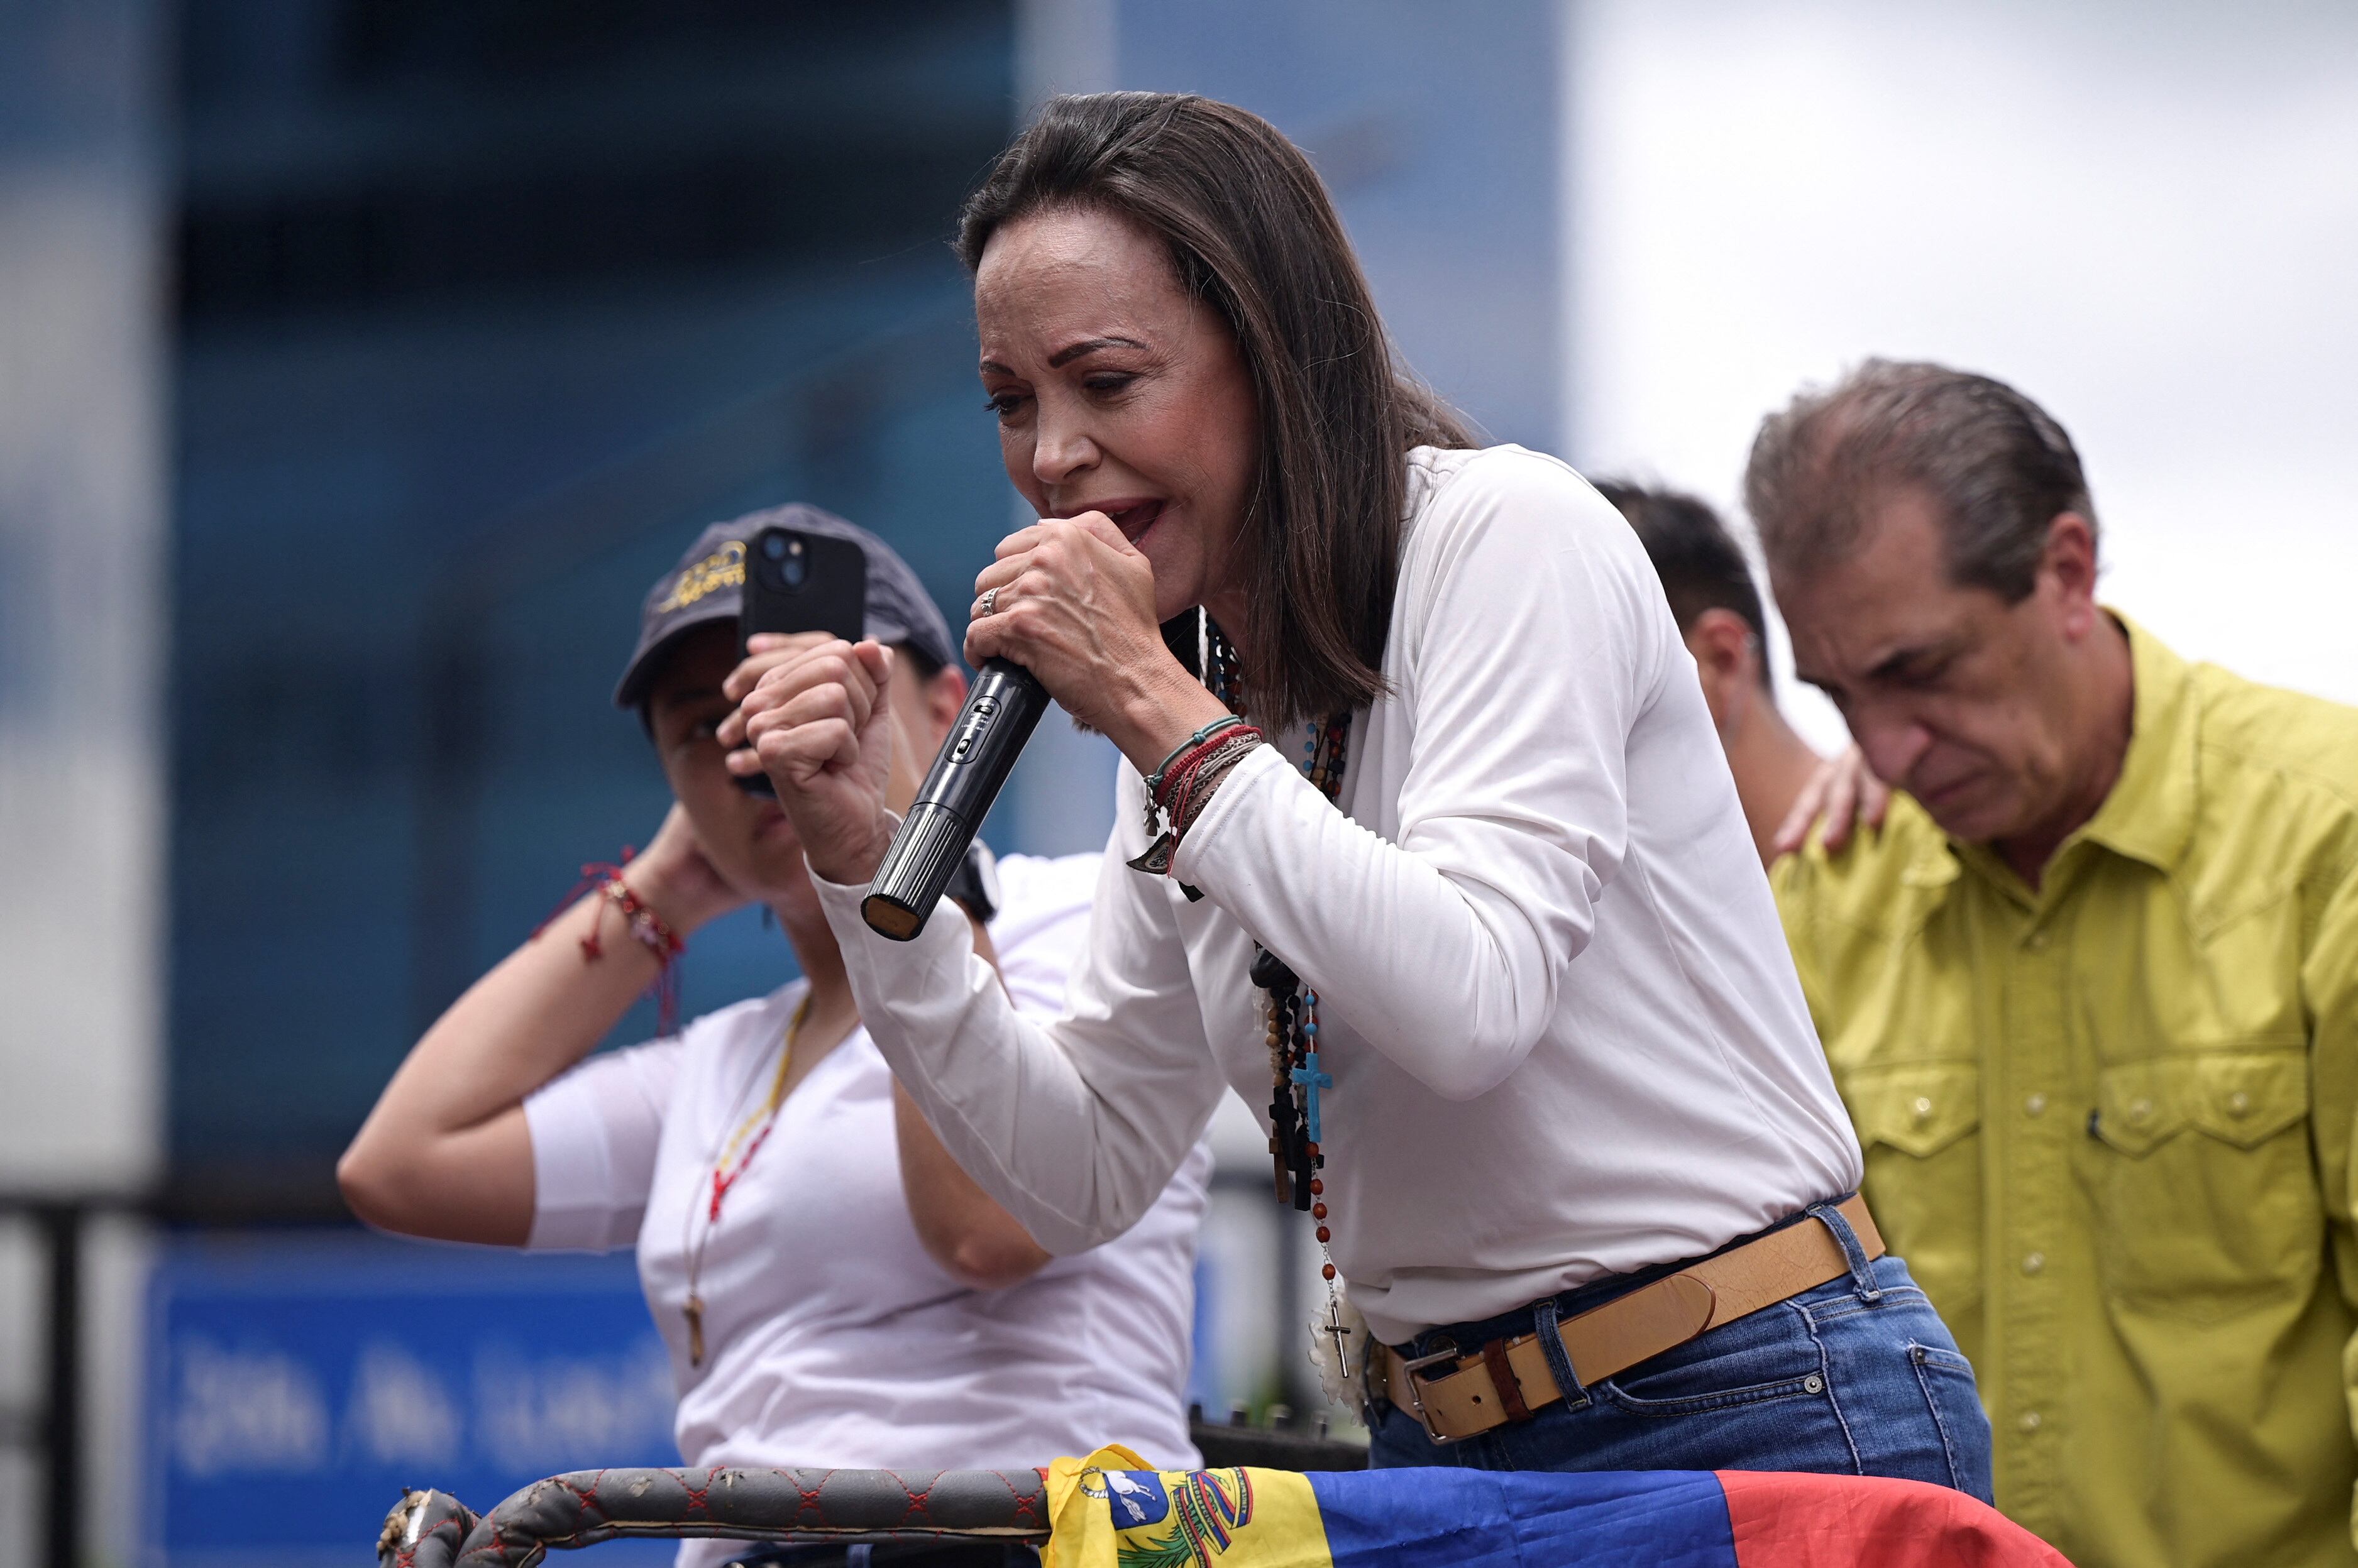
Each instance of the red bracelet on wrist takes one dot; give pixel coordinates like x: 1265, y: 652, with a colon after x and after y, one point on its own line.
x: 647, y: 927
x: 1178, y: 790
x: 1203, y: 774
x: 1177, y: 776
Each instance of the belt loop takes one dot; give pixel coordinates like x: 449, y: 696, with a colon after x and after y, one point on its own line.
x: 1559, y: 1360
x: 1862, y: 1272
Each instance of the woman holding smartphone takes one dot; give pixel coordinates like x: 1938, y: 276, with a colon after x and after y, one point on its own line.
x: 1430, y: 849
x: 833, y: 1289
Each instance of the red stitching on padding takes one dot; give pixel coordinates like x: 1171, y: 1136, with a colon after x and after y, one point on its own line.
x: 1026, y: 1502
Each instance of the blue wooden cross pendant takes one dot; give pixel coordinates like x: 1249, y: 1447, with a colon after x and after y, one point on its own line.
x: 1312, y: 1080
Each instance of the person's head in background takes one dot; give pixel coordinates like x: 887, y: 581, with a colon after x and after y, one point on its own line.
x: 680, y: 682
x: 1717, y: 607
x: 1932, y: 543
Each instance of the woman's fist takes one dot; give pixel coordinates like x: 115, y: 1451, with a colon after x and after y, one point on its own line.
x: 820, y: 723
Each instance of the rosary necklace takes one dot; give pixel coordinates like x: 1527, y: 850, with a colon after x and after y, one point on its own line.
x: 728, y: 1165
x: 1291, y: 1009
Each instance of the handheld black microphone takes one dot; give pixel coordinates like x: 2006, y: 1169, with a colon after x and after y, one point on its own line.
x: 1000, y: 714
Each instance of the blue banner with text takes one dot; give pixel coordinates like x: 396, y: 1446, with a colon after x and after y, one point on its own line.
x: 296, y: 1381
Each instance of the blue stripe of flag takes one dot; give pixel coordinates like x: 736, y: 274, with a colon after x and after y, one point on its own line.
x: 1491, y: 1519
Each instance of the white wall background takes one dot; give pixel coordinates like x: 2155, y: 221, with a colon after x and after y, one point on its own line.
x: 2145, y: 216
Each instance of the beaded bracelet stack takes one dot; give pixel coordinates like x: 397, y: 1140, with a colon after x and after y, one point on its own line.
x: 1186, y: 753
x: 1177, y: 792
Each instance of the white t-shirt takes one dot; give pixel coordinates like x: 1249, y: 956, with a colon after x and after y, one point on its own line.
x: 831, y: 1338
x: 1564, y: 1030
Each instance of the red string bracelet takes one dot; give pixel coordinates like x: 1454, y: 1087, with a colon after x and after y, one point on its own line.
x: 1179, y: 775
x: 647, y: 927
x: 1170, y: 790
x: 1194, y: 791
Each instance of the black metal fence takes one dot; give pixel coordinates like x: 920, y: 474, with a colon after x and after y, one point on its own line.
x: 52, y: 1430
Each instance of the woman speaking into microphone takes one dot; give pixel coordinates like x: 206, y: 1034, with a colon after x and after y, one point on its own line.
x: 1426, y: 847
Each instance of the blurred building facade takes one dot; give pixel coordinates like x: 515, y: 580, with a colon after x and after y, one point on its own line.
x: 360, y: 362
x: 482, y: 311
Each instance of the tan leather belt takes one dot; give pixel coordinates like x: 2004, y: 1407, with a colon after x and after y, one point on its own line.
x: 1460, y: 1393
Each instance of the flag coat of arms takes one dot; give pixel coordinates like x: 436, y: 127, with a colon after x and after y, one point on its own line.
x: 1112, y: 1510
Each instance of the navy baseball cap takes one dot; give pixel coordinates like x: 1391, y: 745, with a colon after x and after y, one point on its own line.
x: 709, y: 584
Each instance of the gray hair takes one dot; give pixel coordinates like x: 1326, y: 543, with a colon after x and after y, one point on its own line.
x: 2000, y: 467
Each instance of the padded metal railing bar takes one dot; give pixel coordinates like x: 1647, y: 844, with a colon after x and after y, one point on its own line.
x: 434, y: 1530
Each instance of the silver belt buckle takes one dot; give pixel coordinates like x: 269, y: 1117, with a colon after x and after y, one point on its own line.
x: 1409, y: 1369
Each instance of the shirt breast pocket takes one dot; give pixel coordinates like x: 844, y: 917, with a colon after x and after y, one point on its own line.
x: 1917, y: 1123
x: 2205, y: 1186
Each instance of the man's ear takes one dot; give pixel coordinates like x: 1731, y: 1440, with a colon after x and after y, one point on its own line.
x: 1727, y: 658
x: 945, y: 701
x: 2067, y: 568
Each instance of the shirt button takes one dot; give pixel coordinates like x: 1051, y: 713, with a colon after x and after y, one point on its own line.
x: 2035, y: 1106
x: 1920, y: 1107
x: 2238, y: 1103
x: 2036, y: 939
x: 2140, y: 1110
x: 2033, y: 1262
x: 2029, y: 1421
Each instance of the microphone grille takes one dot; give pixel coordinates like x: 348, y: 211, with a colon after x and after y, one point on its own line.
x: 925, y: 856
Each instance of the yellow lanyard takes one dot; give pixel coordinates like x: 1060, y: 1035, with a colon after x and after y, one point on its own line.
x: 768, y: 1109
x: 755, y: 1128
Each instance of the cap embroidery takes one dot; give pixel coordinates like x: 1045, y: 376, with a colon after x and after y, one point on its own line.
x: 725, y: 568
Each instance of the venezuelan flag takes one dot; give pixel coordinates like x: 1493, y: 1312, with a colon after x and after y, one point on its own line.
x: 1110, y: 1510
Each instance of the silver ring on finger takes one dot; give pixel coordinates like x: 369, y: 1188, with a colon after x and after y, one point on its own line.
x: 986, y: 605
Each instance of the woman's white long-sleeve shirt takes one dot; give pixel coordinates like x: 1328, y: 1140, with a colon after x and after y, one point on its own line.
x: 1565, y: 1030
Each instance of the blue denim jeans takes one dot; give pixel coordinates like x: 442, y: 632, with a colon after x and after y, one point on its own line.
x: 1857, y: 1377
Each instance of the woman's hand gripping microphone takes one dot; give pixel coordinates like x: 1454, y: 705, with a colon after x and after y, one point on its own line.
x: 1073, y: 602
x: 821, y: 724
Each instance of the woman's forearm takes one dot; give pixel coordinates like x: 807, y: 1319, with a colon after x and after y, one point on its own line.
x: 976, y: 1242
x: 1074, y: 1128
x: 446, y: 1153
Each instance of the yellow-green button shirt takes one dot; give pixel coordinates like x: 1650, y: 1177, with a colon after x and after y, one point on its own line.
x: 2108, y: 1122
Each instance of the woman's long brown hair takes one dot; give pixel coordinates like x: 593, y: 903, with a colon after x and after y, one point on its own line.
x: 1252, y: 233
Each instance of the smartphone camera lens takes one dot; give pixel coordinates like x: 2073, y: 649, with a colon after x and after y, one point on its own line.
x: 785, y: 560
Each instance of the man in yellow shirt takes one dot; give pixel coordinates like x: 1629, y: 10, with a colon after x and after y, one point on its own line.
x: 2092, y: 994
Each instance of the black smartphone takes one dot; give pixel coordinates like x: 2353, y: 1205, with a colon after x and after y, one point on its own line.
x: 803, y: 582
x: 800, y: 582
